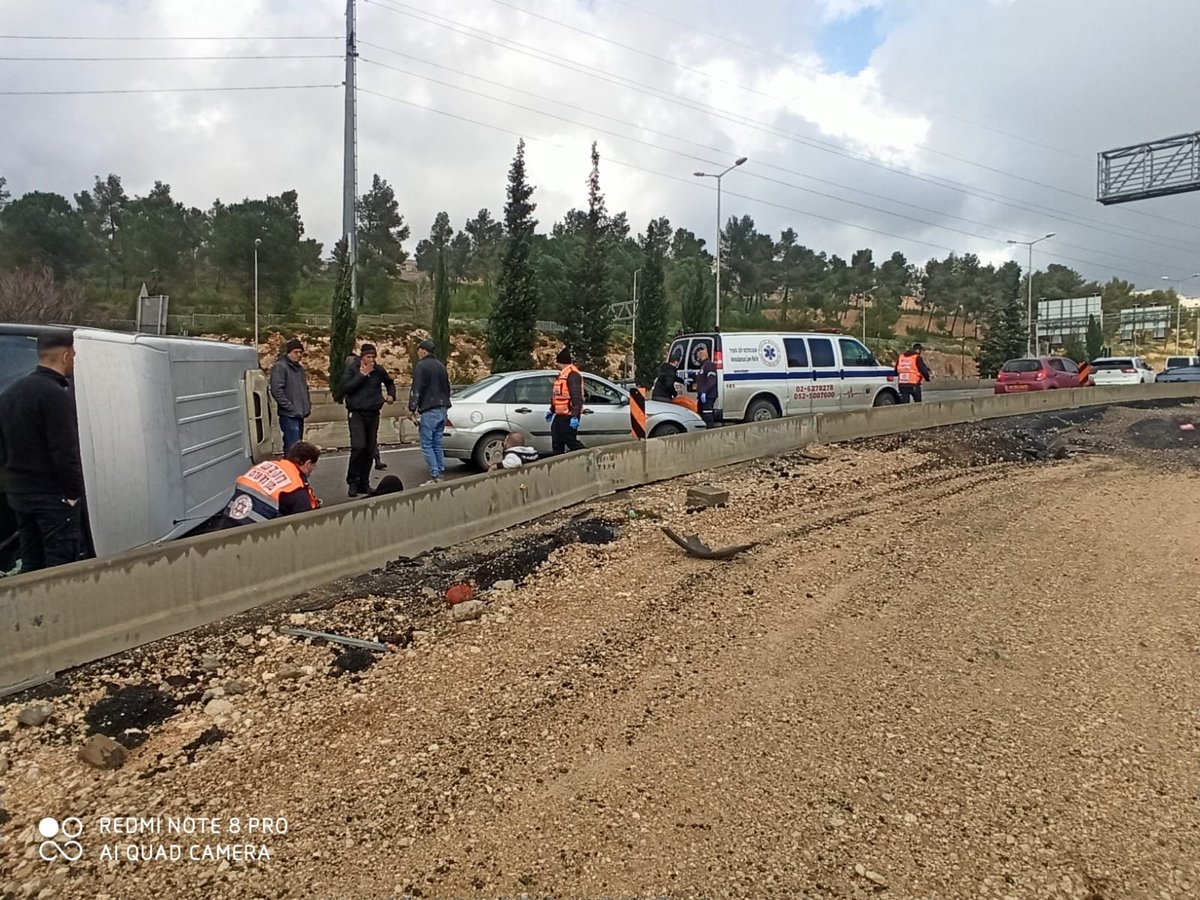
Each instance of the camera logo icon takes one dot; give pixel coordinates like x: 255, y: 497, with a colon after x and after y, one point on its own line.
x: 60, y: 839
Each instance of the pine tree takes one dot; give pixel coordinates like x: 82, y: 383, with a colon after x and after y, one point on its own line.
x: 1005, y: 337
x: 344, y: 321
x: 589, y: 318
x: 652, y: 301
x: 511, y: 328
x: 441, y: 306
x: 1094, y: 340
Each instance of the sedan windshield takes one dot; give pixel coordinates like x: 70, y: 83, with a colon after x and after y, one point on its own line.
x: 472, y: 390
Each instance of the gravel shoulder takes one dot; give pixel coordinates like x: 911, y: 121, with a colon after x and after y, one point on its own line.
x: 946, y: 670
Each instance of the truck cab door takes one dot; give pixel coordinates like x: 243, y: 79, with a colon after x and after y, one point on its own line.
x: 260, y: 416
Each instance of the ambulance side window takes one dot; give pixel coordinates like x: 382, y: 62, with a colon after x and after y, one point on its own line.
x: 854, y: 354
x: 822, y: 353
x: 797, y: 355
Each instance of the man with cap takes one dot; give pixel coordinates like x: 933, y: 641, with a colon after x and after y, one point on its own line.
x: 566, y: 405
x: 289, y: 388
x: 363, y: 385
x: 428, y: 401
x: 911, y: 370
x: 39, y: 449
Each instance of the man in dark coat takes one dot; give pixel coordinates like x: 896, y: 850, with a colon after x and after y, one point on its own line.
x: 39, y: 449
x: 363, y: 386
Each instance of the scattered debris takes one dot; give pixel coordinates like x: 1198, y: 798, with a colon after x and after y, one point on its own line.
x: 697, y: 548
x: 469, y: 611
x: 1187, y: 426
x: 812, y: 453
x: 333, y: 639
x: 134, y: 707
x: 459, y: 593
x: 289, y: 672
x: 642, y: 513
x: 210, y: 735
x: 210, y: 662
x: 356, y: 659
x: 705, y: 495
x: 103, y: 752
x: 235, y: 687
x: 506, y: 585
x: 33, y: 716
x: 400, y: 639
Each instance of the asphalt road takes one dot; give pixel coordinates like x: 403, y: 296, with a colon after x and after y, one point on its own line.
x: 329, y: 478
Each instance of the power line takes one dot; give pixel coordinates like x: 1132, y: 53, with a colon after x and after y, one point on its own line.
x: 694, y: 183
x: 638, y: 50
x: 185, y: 90
x: 680, y: 23
x: 166, y: 58
x: 750, y: 174
x: 817, y: 144
x: 232, y: 37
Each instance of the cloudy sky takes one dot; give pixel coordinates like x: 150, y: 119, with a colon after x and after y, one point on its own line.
x: 916, y: 125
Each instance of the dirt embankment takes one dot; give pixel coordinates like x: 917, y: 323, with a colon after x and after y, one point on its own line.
x: 957, y: 663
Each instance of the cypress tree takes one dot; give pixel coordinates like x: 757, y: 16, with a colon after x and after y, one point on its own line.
x: 511, y: 333
x: 651, y: 304
x: 441, y: 307
x: 343, y: 321
x: 590, y: 314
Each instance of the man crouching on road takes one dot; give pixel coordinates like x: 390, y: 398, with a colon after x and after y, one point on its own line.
x: 566, y: 405
x: 514, y: 453
x: 275, y: 488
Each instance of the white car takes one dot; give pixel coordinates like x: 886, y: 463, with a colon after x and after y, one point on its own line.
x: 482, y: 414
x: 1121, y: 370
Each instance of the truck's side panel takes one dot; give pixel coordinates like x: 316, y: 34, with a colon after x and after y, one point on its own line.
x: 162, y: 425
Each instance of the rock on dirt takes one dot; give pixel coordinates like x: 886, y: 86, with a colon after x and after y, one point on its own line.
x: 468, y: 612
x: 33, y: 716
x: 102, y: 752
x: 218, y: 707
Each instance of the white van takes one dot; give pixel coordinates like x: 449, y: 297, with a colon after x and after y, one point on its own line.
x: 763, y: 375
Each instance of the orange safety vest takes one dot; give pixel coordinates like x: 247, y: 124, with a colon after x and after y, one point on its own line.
x: 256, y: 494
x: 560, y: 396
x: 906, y: 368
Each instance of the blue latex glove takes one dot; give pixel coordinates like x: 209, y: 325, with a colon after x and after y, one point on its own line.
x: 574, y: 423
x: 550, y: 416
x: 703, y: 398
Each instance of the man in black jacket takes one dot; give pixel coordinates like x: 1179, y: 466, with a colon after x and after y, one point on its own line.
x: 363, y: 384
x: 428, y: 401
x: 39, y: 448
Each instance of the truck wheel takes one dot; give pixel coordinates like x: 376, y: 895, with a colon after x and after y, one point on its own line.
x: 761, y: 411
x: 489, y: 450
x: 884, y: 398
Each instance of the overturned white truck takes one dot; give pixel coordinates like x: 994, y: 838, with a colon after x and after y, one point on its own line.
x: 165, y: 426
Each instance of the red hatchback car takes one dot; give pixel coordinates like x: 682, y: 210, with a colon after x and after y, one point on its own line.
x: 1041, y: 373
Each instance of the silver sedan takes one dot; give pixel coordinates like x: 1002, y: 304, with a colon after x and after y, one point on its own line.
x: 482, y: 414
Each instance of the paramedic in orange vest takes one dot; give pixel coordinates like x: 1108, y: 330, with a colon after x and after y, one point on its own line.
x: 566, y: 405
x: 911, y: 370
x: 275, y: 488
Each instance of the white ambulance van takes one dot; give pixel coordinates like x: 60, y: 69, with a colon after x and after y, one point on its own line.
x: 763, y: 375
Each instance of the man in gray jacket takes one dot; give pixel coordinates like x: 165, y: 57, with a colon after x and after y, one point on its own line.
x: 289, y: 388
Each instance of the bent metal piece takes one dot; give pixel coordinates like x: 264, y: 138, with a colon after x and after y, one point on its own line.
x: 335, y: 638
x: 697, y: 548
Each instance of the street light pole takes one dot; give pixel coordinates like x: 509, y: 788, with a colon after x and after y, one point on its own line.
x: 1029, y: 244
x: 257, y: 244
x: 1178, y: 282
x: 719, y: 176
x: 633, y: 326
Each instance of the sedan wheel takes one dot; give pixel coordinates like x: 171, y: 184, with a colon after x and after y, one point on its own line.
x: 667, y: 428
x: 489, y: 451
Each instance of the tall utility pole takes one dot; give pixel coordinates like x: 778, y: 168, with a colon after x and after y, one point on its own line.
x: 350, y: 169
x: 719, y: 176
x: 1031, y: 339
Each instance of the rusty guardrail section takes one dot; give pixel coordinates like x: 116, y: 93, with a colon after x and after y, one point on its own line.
x: 64, y: 617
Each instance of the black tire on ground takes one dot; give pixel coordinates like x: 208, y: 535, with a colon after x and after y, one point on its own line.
x: 884, y: 398
x: 761, y: 411
x: 667, y: 428
x: 487, y: 450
